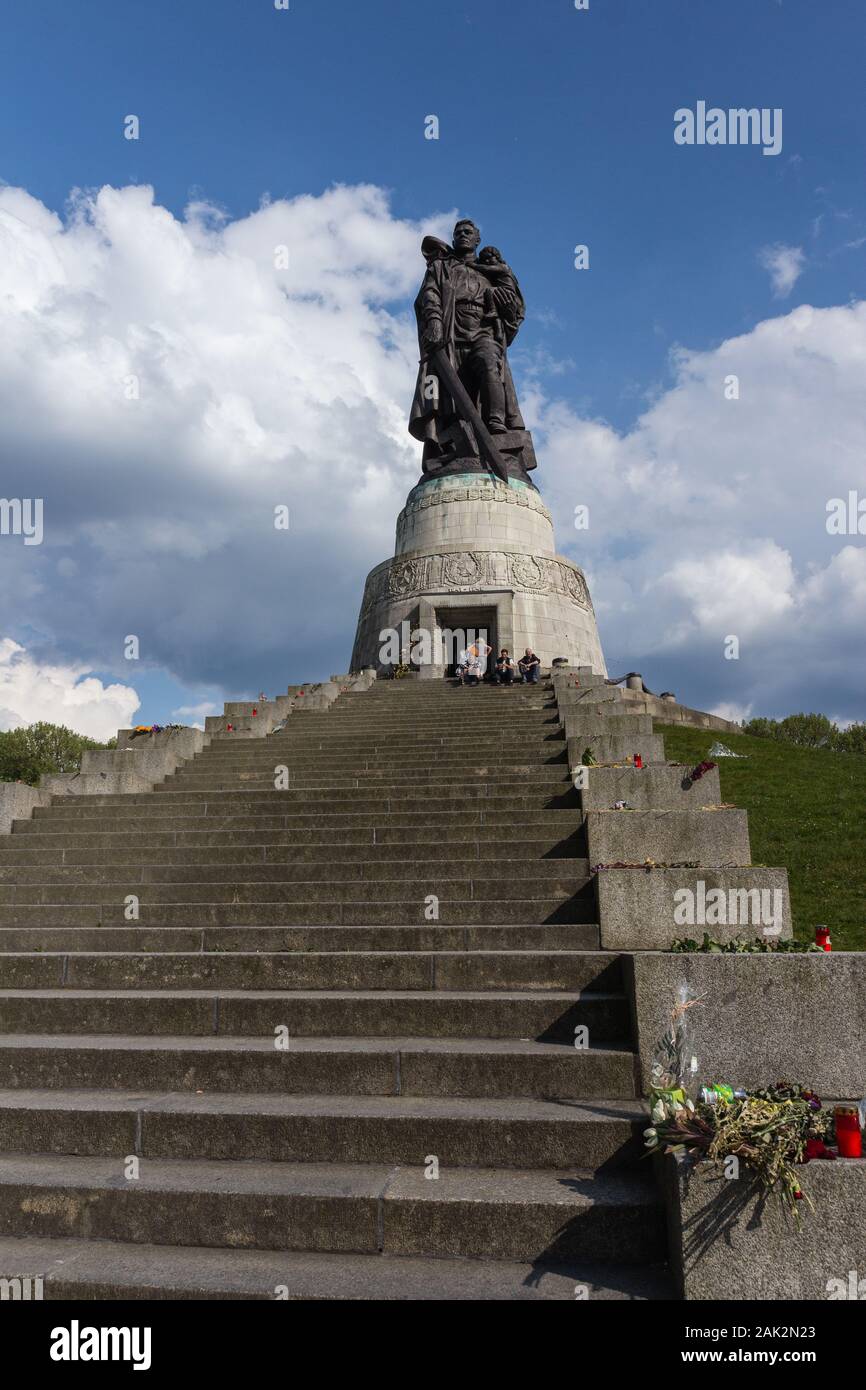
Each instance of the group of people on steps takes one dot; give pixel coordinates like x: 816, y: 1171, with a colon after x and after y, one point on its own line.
x: 471, y: 667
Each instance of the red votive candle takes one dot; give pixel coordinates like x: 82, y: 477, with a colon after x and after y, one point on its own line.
x: 822, y: 938
x: 638, y: 760
x: 848, y: 1138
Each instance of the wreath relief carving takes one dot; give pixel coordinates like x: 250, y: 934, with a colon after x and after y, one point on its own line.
x: 576, y: 586
x: 527, y: 573
x: 405, y: 578
x: 464, y: 568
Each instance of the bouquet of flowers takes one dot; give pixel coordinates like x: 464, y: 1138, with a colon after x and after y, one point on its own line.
x: 771, y: 1131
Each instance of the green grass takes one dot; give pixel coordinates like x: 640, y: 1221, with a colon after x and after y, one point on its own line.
x: 807, y: 812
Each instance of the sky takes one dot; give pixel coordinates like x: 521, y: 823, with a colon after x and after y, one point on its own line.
x: 165, y: 384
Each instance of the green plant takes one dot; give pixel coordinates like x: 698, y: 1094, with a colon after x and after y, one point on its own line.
x: 27, y: 753
x: 759, y: 945
x: 810, y: 731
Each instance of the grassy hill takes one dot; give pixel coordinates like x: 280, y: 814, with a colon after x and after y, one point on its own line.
x: 807, y: 812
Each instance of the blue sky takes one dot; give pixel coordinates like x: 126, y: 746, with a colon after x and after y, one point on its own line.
x: 555, y: 128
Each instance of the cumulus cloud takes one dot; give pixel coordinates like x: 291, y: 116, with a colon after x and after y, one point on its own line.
x: 31, y: 691
x: 738, y: 714
x: 166, y: 382
x: 785, y: 265
x: 194, y: 715
x: 708, y: 518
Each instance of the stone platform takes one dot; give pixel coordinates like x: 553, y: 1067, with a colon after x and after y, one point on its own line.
x: 414, y: 911
x: 418, y: 912
x: 472, y: 553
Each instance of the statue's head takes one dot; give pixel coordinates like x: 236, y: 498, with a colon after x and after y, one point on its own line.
x: 466, y: 237
x: 490, y: 255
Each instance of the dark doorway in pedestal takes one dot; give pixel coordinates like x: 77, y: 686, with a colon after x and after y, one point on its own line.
x: 462, y: 626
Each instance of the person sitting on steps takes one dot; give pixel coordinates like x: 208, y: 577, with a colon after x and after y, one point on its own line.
x: 469, y: 668
x: 529, y: 667
x: 504, y: 668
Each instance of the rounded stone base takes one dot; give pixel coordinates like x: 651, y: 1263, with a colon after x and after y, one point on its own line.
x: 474, y: 554
x: 478, y: 512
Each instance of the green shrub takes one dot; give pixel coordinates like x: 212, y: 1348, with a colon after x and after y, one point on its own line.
x: 810, y: 731
x: 27, y: 753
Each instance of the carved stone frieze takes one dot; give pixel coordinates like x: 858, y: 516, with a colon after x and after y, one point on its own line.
x: 472, y: 571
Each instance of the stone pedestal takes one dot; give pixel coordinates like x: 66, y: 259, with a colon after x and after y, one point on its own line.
x: 729, y: 1241
x: 471, y: 554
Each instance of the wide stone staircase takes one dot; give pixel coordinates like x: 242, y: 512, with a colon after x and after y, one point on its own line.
x: 324, y: 1015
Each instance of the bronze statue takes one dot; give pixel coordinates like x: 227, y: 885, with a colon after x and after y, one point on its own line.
x: 465, y: 410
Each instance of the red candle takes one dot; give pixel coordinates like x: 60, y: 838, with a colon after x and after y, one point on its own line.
x: 822, y: 938
x: 848, y: 1138
x: 638, y: 760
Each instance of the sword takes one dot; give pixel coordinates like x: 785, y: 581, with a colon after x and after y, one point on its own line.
x: 461, y: 398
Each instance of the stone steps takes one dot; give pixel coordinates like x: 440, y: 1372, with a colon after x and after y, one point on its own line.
x: 429, y: 824
x: 331, y: 746
x: 566, y: 877
x: 401, y: 755
x: 99, y: 1270
x: 287, y: 809
x: 332, y: 1208
x: 387, y: 782
x: 390, y: 744
x: 286, y: 871
x: 381, y: 731
x: 384, y: 970
x: 307, y: 910
x: 430, y: 936
x: 130, y: 851
x: 323, y: 1066
x: 475, y: 1132
x: 370, y: 911
x: 544, y: 1015
x: 267, y: 801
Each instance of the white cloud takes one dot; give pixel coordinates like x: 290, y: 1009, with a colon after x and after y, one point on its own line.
x: 785, y: 265
x: 739, y: 591
x: 708, y: 518
x: 261, y: 386
x: 194, y: 715
x: 738, y: 714
x: 256, y: 387
x: 31, y: 691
